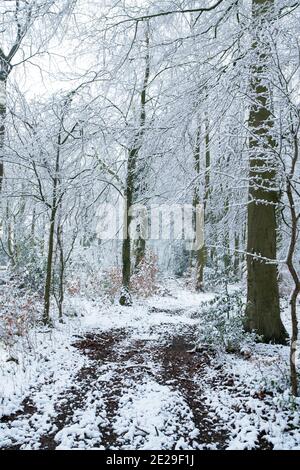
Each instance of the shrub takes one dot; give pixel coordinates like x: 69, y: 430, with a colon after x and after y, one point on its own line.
x: 113, y: 282
x: 20, y: 311
x: 222, y: 324
x: 143, y: 280
x: 30, y: 265
x: 73, y: 287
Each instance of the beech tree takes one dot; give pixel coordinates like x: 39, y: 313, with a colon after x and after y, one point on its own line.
x: 263, y: 308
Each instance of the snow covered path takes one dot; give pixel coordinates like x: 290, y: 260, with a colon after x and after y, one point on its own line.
x: 136, y: 387
x: 126, y: 378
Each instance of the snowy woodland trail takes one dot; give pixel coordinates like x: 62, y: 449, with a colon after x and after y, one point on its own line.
x: 134, y: 390
x: 128, y: 378
x: 149, y: 224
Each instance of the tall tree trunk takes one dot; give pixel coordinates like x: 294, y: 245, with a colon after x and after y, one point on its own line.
x: 202, y: 251
x: 61, y: 277
x: 237, y: 260
x: 263, y: 309
x: 2, y: 126
x: 125, y: 298
x: 21, y: 28
x: 296, y: 290
x: 33, y: 222
x: 140, y: 249
x: 294, y: 234
x: 47, y: 293
x: 294, y: 338
x: 10, y: 250
x: 140, y: 243
x: 196, y: 203
x: 53, y: 211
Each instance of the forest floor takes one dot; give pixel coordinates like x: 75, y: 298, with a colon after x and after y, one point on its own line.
x: 129, y: 378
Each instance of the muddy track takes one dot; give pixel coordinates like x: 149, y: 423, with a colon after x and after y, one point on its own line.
x: 128, y: 359
x: 184, y: 370
x: 98, y: 348
x: 176, y: 366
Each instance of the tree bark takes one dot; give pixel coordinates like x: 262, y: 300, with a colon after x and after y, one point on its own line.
x: 292, y: 269
x: 53, y: 211
x: 201, y: 254
x: 196, y: 202
x: 140, y: 243
x: 125, y: 298
x: 237, y: 260
x: 263, y: 308
x: 2, y: 126
x: 61, y: 278
x: 47, y: 294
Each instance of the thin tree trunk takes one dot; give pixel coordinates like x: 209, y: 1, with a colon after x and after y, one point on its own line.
x: 21, y: 28
x: 263, y: 309
x: 207, y: 164
x: 61, y: 272
x: 10, y: 245
x: 140, y: 249
x: 294, y: 338
x: 33, y: 221
x: 196, y: 202
x: 47, y: 294
x: 10, y: 248
x: 237, y: 259
x: 292, y: 269
x: 125, y: 298
x: 294, y: 296
x: 202, y: 252
x: 2, y: 127
x: 48, y: 282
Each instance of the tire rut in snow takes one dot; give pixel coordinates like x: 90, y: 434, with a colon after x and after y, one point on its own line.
x: 185, y: 370
x: 125, y: 362
x: 103, y: 350
x: 117, y: 367
x: 98, y: 347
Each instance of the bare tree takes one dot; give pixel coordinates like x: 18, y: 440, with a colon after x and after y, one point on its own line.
x: 19, y: 18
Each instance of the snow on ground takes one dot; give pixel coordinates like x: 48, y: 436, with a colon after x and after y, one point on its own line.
x: 35, y: 383
x: 144, y: 314
x: 137, y: 316
x: 252, y: 397
x: 153, y: 416
x: 113, y: 389
x: 33, y: 360
x: 84, y: 431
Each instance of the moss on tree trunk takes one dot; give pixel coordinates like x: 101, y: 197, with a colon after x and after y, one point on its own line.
x: 263, y: 309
